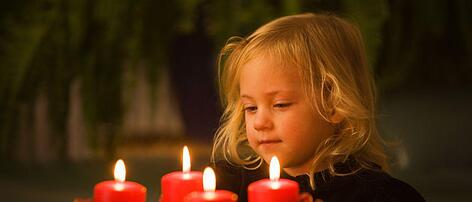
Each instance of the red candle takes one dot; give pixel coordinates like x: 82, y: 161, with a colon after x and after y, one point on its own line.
x: 119, y: 190
x: 274, y: 189
x: 210, y: 195
x: 176, y: 185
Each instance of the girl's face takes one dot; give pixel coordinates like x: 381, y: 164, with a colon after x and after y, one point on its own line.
x: 279, y: 118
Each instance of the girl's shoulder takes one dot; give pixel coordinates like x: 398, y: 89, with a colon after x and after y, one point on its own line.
x: 392, y: 189
x: 365, y: 185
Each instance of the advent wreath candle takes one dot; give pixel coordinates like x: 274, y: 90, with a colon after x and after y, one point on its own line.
x: 119, y: 190
x: 210, y: 194
x: 274, y: 189
x: 176, y: 185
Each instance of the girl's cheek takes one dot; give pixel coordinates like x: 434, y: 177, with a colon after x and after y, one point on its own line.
x: 249, y: 131
x: 251, y: 142
x: 247, y: 123
x: 250, y: 137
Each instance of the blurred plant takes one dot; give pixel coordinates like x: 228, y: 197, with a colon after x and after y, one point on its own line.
x: 47, y: 44
x: 427, y: 43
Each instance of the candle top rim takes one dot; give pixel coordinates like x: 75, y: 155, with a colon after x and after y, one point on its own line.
x: 286, y: 183
x: 221, y: 194
x: 192, y: 172
x: 128, y: 185
x: 183, y: 176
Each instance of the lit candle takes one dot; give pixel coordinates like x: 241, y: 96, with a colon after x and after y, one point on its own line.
x: 210, y: 194
x: 274, y: 189
x: 176, y: 185
x: 119, y: 189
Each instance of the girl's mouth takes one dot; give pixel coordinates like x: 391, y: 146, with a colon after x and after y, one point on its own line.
x: 274, y: 141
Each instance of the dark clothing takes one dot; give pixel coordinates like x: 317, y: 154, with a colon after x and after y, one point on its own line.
x: 364, y: 185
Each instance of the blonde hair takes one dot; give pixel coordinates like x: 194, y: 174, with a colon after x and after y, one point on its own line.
x: 330, y: 57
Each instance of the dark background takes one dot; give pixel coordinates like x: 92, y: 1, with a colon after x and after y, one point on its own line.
x: 84, y: 82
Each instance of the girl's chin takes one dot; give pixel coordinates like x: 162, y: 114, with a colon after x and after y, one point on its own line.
x: 268, y: 157
x: 268, y: 151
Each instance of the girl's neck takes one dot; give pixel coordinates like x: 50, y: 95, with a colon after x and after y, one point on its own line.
x: 306, y: 169
x: 296, y: 172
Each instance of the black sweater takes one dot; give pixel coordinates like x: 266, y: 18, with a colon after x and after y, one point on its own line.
x: 364, y: 185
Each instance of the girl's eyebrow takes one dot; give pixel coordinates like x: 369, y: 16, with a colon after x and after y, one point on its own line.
x: 270, y: 93
x: 245, y: 96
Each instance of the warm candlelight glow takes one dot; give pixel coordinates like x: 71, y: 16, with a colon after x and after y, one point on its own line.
x: 120, y: 171
x: 209, y: 179
x: 186, y: 160
x: 274, y: 170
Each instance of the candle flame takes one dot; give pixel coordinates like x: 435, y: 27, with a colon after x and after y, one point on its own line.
x: 209, y: 179
x: 120, y: 171
x: 186, y: 160
x: 274, y: 170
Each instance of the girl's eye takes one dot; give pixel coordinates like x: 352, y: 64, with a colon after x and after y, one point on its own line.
x: 282, y: 105
x: 250, y: 108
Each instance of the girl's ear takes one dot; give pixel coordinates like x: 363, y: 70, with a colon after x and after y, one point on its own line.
x: 336, y: 117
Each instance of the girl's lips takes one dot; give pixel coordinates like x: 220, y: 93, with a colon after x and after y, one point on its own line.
x: 269, y: 141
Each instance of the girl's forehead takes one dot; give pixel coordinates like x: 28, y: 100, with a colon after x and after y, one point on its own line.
x: 268, y: 74
x: 277, y: 63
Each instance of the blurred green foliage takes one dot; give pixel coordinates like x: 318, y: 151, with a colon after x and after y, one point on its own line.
x: 45, y: 45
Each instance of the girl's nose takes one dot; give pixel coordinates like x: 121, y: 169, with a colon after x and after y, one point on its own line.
x: 262, y: 120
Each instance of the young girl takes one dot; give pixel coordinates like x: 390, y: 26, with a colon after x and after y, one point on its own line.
x: 299, y: 88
